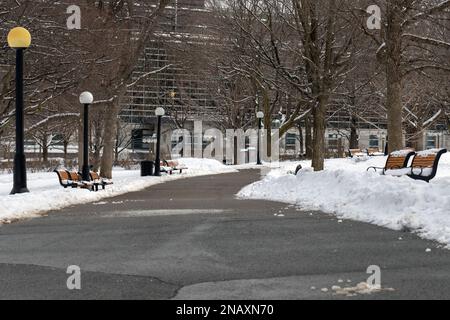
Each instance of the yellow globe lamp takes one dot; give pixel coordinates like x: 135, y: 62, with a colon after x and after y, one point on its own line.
x: 19, y: 38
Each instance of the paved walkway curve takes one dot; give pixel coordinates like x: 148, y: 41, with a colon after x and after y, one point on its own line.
x: 191, y: 238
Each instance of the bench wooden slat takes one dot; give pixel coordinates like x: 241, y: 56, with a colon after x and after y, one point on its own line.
x: 424, y: 162
x: 64, y: 175
x: 74, y: 176
x: 396, y: 162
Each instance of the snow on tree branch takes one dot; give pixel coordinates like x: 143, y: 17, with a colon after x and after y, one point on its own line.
x: 52, y: 118
x: 145, y: 75
x: 432, y: 119
x: 426, y: 40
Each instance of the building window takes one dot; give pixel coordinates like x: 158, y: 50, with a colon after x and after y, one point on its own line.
x: 333, y: 141
x: 141, y: 139
x: 374, y: 141
x: 431, y: 142
x: 291, y: 139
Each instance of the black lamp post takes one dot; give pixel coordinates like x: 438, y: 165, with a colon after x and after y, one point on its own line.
x: 260, y: 116
x: 159, y: 112
x: 19, y: 39
x: 86, y: 98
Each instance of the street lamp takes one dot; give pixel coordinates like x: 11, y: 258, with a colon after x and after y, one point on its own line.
x: 159, y: 112
x: 19, y: 39
x: 86, y: 98
x: 260, y: 116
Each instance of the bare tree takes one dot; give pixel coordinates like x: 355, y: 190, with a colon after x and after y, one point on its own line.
x: 411, y: 36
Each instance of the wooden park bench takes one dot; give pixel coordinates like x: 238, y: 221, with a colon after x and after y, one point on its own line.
x: 99, y: 181
x: 356, y: 153
x: 175, y: 166
x: 425, y: 164
x: 64, y: 179
x: 72, y: 179
x: 397, y: 160
x: 423, y: 167
x: 374, y: 152
x: 169, y: 166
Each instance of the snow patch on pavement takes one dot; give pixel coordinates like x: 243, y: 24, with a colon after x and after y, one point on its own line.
x: 361, y: 288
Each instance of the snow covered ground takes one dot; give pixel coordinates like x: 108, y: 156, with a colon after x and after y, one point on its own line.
x: 46, y: 193
x: 348, y: 191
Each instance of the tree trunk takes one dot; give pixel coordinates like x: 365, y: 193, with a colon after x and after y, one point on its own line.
x: 96, y: 159
x: 116, y: 145
x: 116, y: 155
x: 97, y: 147
x: 301, y: 139
x: 118, y: 142
x: 269, y: 143
x: 420, y: 141
x: 45, y: 154
x: 340, y: 147
x: 414, y: 138
x: 394, y: 75
x: 268, y: 131
x: 308, y: 137
x: 267, y: 121
x: 45, y: 149
x: 109, y: 134
x: 235, y: 150
x: 354, y: 143
x: 318, y: 158
x: 166, y: 147
x: 65, y: 146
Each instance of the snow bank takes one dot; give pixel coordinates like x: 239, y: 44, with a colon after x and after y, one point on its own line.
x: 348, y: 191
x: 46, y: 193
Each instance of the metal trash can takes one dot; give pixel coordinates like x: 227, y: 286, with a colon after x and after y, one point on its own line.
x: 147, y: 168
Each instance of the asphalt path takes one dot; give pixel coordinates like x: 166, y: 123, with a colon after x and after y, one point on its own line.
x: 192, y: 239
